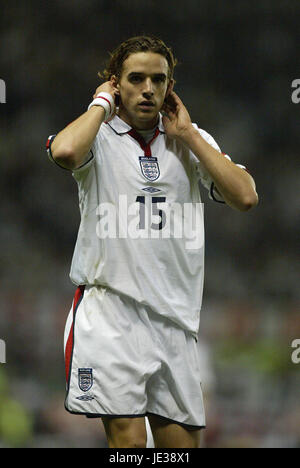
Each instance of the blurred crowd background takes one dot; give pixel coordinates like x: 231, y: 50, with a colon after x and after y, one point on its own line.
x: 237, y: 61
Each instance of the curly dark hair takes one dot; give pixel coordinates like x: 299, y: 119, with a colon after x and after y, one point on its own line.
x: 134, y: 45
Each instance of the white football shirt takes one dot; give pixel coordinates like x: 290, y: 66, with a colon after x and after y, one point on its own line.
x: 141, y: 232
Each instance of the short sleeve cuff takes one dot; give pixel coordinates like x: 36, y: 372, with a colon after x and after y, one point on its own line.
x: 87, y: 163
x: 214, y: 194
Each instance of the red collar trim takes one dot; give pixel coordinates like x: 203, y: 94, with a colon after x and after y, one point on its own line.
x: 146, y: 147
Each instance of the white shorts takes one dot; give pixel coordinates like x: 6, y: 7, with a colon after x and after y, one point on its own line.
x: 124, y: 360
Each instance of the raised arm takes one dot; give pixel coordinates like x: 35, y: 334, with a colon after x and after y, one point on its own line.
x: 236, y: 186
x: 71, y: 146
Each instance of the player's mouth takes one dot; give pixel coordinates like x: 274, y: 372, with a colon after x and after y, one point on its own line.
x: 146, y: 105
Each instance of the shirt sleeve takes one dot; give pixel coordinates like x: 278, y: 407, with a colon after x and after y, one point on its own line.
x: 88, y: 161
x: 202, y: 174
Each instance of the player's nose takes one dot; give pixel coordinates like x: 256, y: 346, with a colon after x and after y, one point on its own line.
x: 148, y: 88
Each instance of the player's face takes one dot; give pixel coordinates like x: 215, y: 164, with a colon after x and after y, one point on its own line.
x: 143, y: 87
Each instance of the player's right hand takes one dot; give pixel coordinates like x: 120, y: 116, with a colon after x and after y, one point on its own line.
x: 106, y: 87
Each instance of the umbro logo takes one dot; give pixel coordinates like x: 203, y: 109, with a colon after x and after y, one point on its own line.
x: 85, y: 397
x: 151, y: 190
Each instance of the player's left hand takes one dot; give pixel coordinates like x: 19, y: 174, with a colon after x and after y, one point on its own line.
x: 176, y: 118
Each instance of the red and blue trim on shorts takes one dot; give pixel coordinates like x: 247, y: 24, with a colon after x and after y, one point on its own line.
x: 71, y: 338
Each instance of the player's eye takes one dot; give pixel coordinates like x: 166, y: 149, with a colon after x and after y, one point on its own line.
x: 135, y: 78
x: 159, y: 79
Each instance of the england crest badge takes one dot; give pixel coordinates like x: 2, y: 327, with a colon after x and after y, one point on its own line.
x: 150, y: 168
x: 85, y: 379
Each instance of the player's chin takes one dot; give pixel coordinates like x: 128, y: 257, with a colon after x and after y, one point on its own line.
x: 147, y: 114
x: 147, y: 110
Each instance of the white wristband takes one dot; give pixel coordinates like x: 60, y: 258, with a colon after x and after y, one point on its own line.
x: 106, y: 101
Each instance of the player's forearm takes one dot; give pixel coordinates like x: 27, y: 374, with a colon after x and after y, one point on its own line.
x: 235, y: 185
x: 72, y: 144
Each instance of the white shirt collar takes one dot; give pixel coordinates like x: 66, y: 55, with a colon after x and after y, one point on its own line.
x: 121, y: 127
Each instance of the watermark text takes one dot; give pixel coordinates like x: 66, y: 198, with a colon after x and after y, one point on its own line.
x: 2, y: 92
x: 296, y: 92
x: 296, y: 354
x: 2, y: 352
x: 152, y: 218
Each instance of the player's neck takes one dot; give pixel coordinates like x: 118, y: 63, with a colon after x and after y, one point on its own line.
x: 136, y: 123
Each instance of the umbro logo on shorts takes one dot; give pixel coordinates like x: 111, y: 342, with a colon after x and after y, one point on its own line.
x: 85, y: 397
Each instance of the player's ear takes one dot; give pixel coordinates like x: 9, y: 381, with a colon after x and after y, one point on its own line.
x: 115, y: 82
x: 170, y: 87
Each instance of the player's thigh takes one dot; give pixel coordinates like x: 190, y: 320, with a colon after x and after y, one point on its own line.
x: 167, y: 434
x: 125, y: 432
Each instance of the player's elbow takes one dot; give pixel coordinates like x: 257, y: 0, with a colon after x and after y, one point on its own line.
x: 249, y: 201
x: 64, y: 156
x: 242, y: 202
